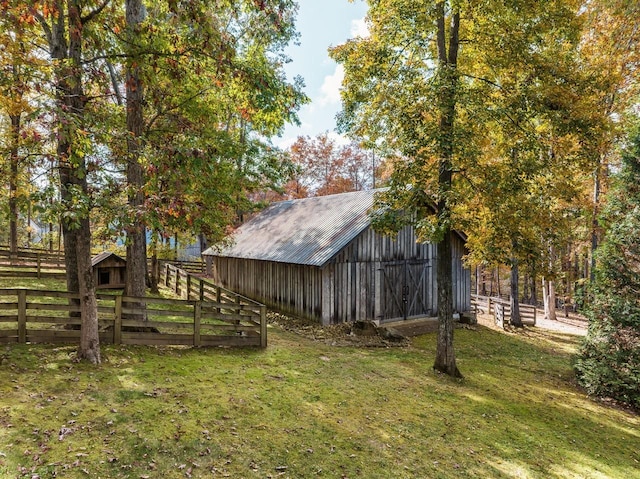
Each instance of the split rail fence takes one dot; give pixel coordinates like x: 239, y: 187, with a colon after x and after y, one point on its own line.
x: 501, y: 309
x: 31, y: 263
x: 33, y: 316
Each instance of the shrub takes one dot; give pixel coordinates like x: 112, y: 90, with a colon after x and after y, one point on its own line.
x: 608, y: 364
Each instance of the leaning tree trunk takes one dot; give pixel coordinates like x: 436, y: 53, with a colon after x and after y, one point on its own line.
x: 447, y: 59
x: 516, y: 319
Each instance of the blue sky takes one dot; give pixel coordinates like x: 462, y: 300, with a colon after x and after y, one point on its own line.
x: 321, y: 23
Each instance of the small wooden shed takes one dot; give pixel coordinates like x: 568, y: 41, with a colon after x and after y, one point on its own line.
x: 319, y: 258
x: 109, y: 270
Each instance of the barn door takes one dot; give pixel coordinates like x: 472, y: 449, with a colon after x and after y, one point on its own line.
x: 404, y: 289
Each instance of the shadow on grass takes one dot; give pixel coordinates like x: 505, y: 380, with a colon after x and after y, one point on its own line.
x: 304, y: 409
x: 523, y: 400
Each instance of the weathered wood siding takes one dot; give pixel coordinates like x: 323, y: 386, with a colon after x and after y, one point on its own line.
x: 291, y: 288
x: 359, y: 283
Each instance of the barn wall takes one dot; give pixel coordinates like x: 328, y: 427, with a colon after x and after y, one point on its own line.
x: 291, y: 288
x: 358, y: 286
x: 352, y: 285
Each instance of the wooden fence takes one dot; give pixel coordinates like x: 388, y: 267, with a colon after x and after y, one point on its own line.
x: 31, y: 263
x: 487, y: 304
x: 198, y: 267
x: 32, y: 316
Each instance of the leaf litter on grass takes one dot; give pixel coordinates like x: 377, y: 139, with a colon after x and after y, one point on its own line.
x: 311, y: 408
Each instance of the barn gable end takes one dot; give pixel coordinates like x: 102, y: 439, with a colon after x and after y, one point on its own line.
x: 318, y: 258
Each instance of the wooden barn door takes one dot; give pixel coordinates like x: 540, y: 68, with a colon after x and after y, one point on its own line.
x: 405, y: 291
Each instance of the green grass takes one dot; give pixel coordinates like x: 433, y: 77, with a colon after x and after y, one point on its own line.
x: 302, y: 409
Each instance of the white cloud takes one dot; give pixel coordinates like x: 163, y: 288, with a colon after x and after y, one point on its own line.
x: 340, y: 140
x: 359, y: 28
x: 330, y: 88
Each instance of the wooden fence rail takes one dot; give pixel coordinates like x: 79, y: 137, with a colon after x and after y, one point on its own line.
x: 33, y: 316
x: 488, y: 304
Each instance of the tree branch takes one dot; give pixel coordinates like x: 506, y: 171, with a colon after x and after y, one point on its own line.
x: 95, y: 12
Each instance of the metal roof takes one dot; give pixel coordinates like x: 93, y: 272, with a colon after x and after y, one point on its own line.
x: 307, y: 231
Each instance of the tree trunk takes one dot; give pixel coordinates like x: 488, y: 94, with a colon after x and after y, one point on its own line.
x: 13, y: 184
x: 594, y: 221
x: 514, y: 295
x: 445, y: 358
x: 136, y: 233
x: 73, y: 175
x: 154, y: 276
x: 59, y: 52
x: 549, y: 298
x: 89, y: 348
x: 534, y: 289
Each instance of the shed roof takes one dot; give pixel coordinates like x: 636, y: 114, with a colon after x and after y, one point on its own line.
x: 307, y: 231
x: 100, y: 257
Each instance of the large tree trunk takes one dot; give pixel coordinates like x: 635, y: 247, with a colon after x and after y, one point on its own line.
x: 448, y: 59
x: 73, y: 175
x: 516, y: 319
x: 59, y: 51
x: 89, y: 348
x: 136, y: 237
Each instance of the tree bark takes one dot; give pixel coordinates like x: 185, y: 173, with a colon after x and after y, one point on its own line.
x: 136, y: 232
x: 59, y: 51
x: 448, y: 59
x: 154, y: 276
x: 13, y: 184
x: 549, y: 298
x: 89, y: 348
x: 514, y: 294
x: 594, y: 221
x: 72, y: 170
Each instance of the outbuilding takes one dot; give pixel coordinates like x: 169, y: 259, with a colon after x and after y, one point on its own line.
x: 109, y: 270
x: 320, y: 258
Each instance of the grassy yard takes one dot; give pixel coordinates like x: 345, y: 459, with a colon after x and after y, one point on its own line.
x: 303, y: 409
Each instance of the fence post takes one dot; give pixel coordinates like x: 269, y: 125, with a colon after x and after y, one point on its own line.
x: 166, y: 275
x: 197, y: 315
x: 218, y: 297
x: 535, y: 313
x: 38, y: 263
x: 22, y: 316
x: 201, y: 293
x: 188, y: 286
x: 117, y: 321
x: 177, y: 282
x: 263, y: 326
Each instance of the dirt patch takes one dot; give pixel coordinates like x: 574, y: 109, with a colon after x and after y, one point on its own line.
x: 361, y: 334
x: 574, y: 324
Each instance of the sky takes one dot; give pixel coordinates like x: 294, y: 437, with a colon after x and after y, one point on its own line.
x: 321, y: 24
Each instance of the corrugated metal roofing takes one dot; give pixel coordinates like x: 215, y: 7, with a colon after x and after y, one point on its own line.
x: 307, y: 231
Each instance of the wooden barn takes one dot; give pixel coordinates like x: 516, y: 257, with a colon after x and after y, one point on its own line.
x: 319, y: 258
x: 109, y: 270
